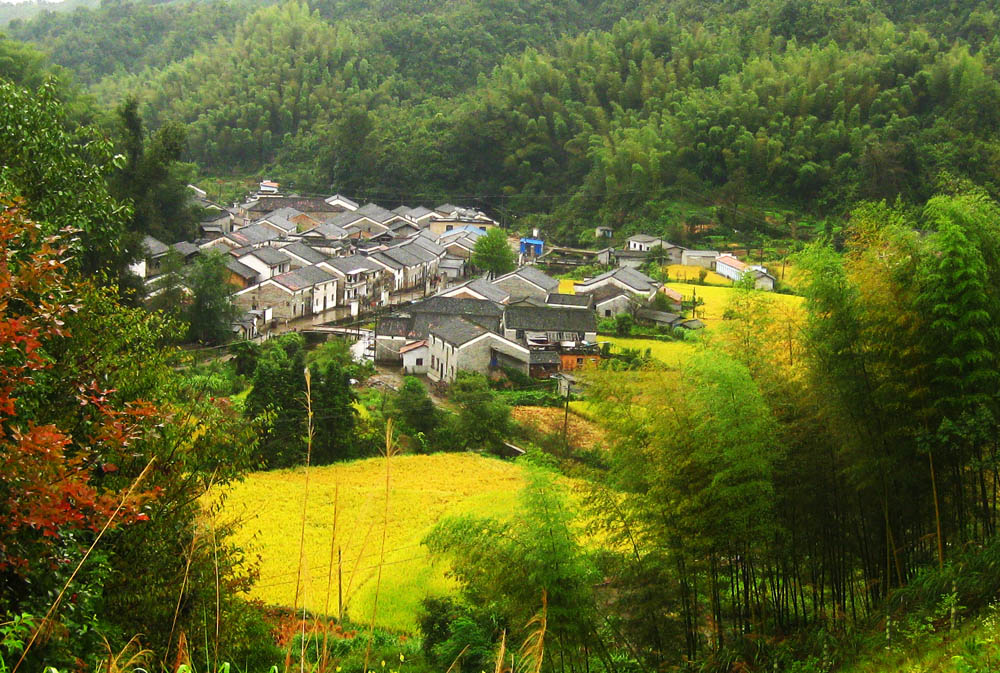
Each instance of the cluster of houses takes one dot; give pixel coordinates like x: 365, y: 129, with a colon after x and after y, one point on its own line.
x: 519, y: 320
x: 641, y: 247
x: 291, y: 256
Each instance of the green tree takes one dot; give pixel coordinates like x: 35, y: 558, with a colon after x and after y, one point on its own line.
x: 153, y: 178
x: 334, y: 415
x: 493, y: 254
x: 414, y: 408
x: 210, y: 311
x: 515, y: 568
x: 277, y: 399
x: 483, y: 419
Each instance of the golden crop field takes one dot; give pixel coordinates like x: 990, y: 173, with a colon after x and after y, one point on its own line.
x: 717, y: 299
x: 681, y: 273
x: 672, y: 353
x: 567, y: 286
x: 423, y: 489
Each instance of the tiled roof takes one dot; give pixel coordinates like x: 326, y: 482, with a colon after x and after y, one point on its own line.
x: 636, y: 280
x: 241, y: 269
x: 154, y: 247
x: 573, y: 300
x: 267, y: 204
x: 303, y: 251
x: 376, y: 212
x: 394, y: 325
x: 731, y: 261
x: 456, y: 331
x: 549, y: 319
x: 482, y: 287
x: 533, y: 276
x: 413, y: 346
x: 185, y: 248
x: 300, y: 279
x: 340, y: 197
x: 457, y: 306
x: 539, y: 357
x: 353, y: 264
x: 270, y: 256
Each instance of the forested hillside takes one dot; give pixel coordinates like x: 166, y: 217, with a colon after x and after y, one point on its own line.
x: 561, y: 108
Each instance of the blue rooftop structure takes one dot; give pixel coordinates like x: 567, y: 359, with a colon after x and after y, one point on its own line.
x: 532, y: 247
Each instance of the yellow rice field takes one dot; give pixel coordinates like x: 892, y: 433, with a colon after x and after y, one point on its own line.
x: 423, y: 489
x: 672, y: 353
x: 567, y: 286
x: 683, y: 274
x: 717, y: 299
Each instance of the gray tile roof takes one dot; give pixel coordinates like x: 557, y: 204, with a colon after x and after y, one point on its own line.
x: 306, y: 252
x: 241, y: 269
x: 303, y: 278
x: 353, y: 205
x: 401, y: 210
x: 534, y: 276
x: 394, y: 325
x: 549, y: 319
x: 573, y: 300
x: 255, y: 233
x: 637, y: 280
x: 539, y: 357
x: 376, y: 212
x: 457, y: 306
x: 419, y: 211
x: 429, y: 245
x: 154, y: 247
x: 270, y: 256
x: 186, y: 248
x: 456, y: 331
x: 353, y: 264
x: 659, y: 317
x: 485, y: 288
x: 385, y: 259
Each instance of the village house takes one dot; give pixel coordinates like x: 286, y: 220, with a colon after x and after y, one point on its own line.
x: 527, y: 281
x: 287, y: 221
x: 456, y: 344
x: 732, y: 268
x: 603, y: 232
x: 154, y: 253
x: 416, y: 357
x: 702, y: 258
x: 241, y: 276
x: 341, y: 201
x: 294, y: 294
x: 544, y: 325
x: 267, y: 262
x: 301, y: 254
x: 477, y: 288
x: 360, y: 281
x: 448, y: 217
x: 580, y: 301
x: 611, y: 301
x: 631, y: 280
x: 413, y: 323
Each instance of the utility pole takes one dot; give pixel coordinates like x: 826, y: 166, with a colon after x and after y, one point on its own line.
x: 566, y: 422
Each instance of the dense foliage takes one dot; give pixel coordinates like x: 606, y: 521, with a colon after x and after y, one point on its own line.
x: 810, y: 107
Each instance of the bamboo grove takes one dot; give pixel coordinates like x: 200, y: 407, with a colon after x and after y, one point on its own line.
x: 805, y: 471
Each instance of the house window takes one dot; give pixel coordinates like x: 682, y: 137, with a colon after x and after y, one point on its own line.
x: 520, y: 334
x: 420, y: 362
x: 607, y: 313
x: 579, y: 361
